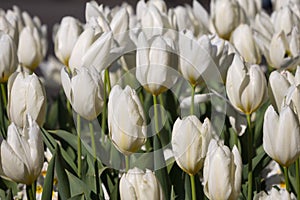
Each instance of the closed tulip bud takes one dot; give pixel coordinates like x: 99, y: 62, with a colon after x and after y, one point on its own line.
x: 281, y: 136
x: 8, y: 57
x: 262, y: 24
x: 226, y: 22
x: 9, y: 28
x: 26, y: 95
x: 155, y: 61
x: 66, y: 37
x: 246, y: 86
x: 136, y: 184
x: 222, y: 172
x: 190, y: 140
x: 242, y: 39
x: 275, y: 194
x: 284, y: 20
x: 251, y: 7
x: 22, y: 154
x: 30, y: 49
x: 194, y: 56
x: 126, y: 120
x: 84, y: 90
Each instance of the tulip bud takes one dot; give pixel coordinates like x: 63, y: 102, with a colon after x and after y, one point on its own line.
x: 284, y: 20
x: 10, y: 29
x: 126, y: 120
x: 194, y: 56
x: 66, y: 37
x: 226, y: 16
x: 281, y: 136
x: 22, y: 154
x: 246, y: 86
x: 275, y: 194
x: 26, y: 95
x: 84, y: 89
x: 251, y: 7
x: 190, y: 140
x: 8, y: 57
x: 30, y: 49
x: 222, y: 172
x: 136, y: 184
x: 242, y: 39
x: 155, y: 62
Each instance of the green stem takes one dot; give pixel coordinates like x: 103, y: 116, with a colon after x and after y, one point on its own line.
x: 126, y: 163
x: 298, y: 178
x: 69, y: 107
x: 3, y: 90
x: 103, y: 123
x: 155, y: 114
x: 286, y: 177
x: 193, y: 187
x: 30, y: 192
x: 192, y: 109
x: 78, y: 146
x: 107, y: 78
x: 250, y: 146
x: 161, y: 102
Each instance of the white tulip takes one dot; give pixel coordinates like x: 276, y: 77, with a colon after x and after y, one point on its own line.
x: 84, y: 89
x: 281, y: 139
x: 22, y: 154
x: 263, y: 24
x: 66, y: 37
x: 246, y: 86
x: 126, y: 120
x: 226, y: 16
x: 190, y: 140
x: 9, y: 28
x: 242, y: 39
x: 284, y: 20
x: 194, y: 56
x: 137, y: 184
x: 155, y: 60
x: 251, y: 7
x: 222, y: 172
x: 26, y: 95
x: 275, y: 194
x: 31, y: 48
x: 8, y: 57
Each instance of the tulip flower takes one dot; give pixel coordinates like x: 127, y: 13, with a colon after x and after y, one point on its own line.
x: 126, y: 120
x: 22, y: 154
x: 30, y: 39
x: 281, y: 136
x: 285, y: 19
x: 250, y: 7
x: 246, y: 86
x: 26, y: 95
x: 190, y: 140
x: 222, y: 172
x: 66, y: 37
x: 242, y: 39
x: 136, y: 184
x: 275, y: 194
x: 194, y: 56
x: 84, y: 90
x: 262, y: 24
x: 9, y: 27
x: 8, y: 57
x: 226, y: 16
x: 155, y: 62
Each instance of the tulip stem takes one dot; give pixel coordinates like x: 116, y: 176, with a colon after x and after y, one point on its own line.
x: 298, y: 178
x: 250, y: 145
x: 193, y: 187
x: 161, y: 102
x: 155, y: 115
x: 126, y: 163
x: 30, y: 192
x: 78, y: 146
x: 286, y: 177
x: 3, y: 90
x: 107, y: 80
x: 192, y: 109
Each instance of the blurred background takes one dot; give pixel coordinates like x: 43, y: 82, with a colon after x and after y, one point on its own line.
x: 51, y: 11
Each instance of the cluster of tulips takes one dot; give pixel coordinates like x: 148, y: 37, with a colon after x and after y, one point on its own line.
x: 152, y: 103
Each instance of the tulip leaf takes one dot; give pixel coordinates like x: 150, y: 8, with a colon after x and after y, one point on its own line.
x: 176, y: 177
x: 78, y: 197
x: 187, y: 187
x: 48, y: 182
x: 160, y: 166
x: 63, y: 182
x: 78, y: 187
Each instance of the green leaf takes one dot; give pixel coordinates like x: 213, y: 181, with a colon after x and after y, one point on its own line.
x: 78, y: 197
x: 177, y: 180
x: 187, y: 187
x: 48, y: 182
x: 63, y: 182
x: 77, y: 186
x: 160, y: 165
